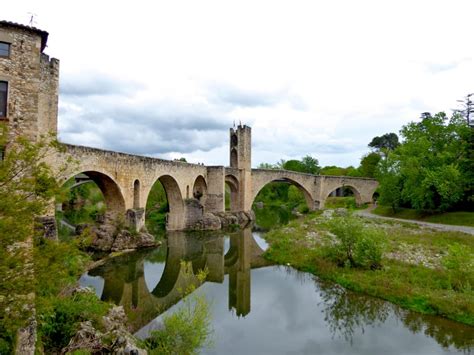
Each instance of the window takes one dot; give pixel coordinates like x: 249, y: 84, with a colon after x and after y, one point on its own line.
x: 3, y: 98
x: 4, y: 49
x: 2, y: 153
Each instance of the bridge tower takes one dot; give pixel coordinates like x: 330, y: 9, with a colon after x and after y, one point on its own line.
x: 241, y: 159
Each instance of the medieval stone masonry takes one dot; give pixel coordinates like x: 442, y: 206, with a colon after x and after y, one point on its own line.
x: 196, y: 193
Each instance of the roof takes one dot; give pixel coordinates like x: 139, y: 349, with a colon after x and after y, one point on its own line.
x: 41, y: 33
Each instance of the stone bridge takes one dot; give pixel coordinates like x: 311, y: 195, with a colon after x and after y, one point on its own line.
x: 30, y: 108
x: 126, y: 180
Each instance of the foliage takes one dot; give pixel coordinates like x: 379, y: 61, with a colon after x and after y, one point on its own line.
x: 338, y: 171
x: 185, y: 331
x: 386, y: 142
x: 460, y: 264
x: 412, y: 286
x: 156, y: 209
x: 59, y: 320
x: 427, y: 169
x: 307, y: 164
x: 188, y: 329
x: 391, y: 183
x: 27, y: 184
x: 340, y: 202
x: 368, y: 164
x: 355, y: 245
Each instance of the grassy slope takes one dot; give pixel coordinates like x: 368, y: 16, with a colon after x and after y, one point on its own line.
x: 453, y: 218
x: 412, y: 286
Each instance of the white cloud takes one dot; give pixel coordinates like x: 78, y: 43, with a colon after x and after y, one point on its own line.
x: 312, y: 77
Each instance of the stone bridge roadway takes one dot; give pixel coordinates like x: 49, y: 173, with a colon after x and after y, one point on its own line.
x: 124, y: 279
x: 126, y: 181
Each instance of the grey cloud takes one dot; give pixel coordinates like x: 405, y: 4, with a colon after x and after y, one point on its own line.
x: 151, y: 128
x: 223, y: 93
x: 96, y: 84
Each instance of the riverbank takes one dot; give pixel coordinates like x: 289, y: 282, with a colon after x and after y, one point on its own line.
x: 414, y: 272
x: 459, y: 218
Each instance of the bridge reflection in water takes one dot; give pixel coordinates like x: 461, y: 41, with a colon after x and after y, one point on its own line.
x: 125, y: 284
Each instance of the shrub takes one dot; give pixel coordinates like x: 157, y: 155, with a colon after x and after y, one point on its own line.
x: 184, y: 332
x: 61, y: 317
x: 354, y: 244
x: 460, y: 264
x: 188, y: 329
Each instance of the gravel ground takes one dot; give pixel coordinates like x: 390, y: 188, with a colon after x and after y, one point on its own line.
x: 444, y: 227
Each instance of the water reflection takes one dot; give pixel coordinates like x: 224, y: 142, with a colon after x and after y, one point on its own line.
x: 348, y: 313
x: 125, y: 282
x: 272, y: 309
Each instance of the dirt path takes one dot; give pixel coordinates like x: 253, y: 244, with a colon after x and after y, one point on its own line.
x: 444, y: 227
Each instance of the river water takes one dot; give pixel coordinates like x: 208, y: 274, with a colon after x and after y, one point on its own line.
x: 259, y: 308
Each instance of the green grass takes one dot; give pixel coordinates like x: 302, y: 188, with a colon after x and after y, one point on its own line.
x: 412, y: 286
x: 343, y: 202
x: 458, y: 218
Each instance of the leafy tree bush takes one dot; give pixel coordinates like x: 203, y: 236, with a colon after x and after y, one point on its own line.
x: 27, y: 184
x: 354, y: 244
x: 185, y: 331
x: 460, y: 264
x: 426, y: 171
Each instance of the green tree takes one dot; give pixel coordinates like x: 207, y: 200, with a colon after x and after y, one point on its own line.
x: 388, y: 141
x: 311, y: 164
x: 426, y: 168
x: 368, y: 164
x: 27, y: 184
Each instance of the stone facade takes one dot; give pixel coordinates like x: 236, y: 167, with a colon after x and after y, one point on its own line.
x: 32, y: 79
x: 195, y: 192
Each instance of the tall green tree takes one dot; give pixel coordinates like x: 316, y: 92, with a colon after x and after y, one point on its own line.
x: 388, y: 141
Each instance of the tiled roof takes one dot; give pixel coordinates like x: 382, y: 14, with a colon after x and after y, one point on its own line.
x: 41, y: 33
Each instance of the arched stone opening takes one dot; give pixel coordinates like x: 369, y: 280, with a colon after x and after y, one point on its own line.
x: 233, y: 158
x: 89, y: 197
x: 375, y: 197
x: 343, y: 191
x: 307, y: 196
x: 200, y: 189
x: 232, y: 193
x: 174, y: 207
x: 136, y: 194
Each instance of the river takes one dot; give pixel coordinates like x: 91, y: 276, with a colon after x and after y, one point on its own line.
x: 259, y: 308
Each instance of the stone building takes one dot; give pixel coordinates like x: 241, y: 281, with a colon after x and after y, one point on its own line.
x: 28, y: 81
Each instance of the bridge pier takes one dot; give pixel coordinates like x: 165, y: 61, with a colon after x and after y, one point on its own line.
x: 135, y: 219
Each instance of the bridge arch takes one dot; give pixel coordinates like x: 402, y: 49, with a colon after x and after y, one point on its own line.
x: 176, y: 215
x: 355, y: 191
x: 200, y: 189
x: 307, y: 195
x: 111, y: 190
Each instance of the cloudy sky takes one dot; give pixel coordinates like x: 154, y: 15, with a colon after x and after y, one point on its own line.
x: 168, y: 78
